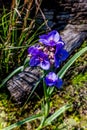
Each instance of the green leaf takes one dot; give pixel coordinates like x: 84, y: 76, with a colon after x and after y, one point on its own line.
x: 23, y: 122
x: 19, y: 69
x: 70, y: 62
x: 26, y: 62
x: 50, y: 90
x: 56, y: 114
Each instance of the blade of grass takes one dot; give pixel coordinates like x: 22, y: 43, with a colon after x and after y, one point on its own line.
x: 70, y: 62
x: 23, y: 122
x: 56, y: 114
x: 5, y: 22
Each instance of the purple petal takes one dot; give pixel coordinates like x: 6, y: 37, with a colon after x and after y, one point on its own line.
x: 51, y: 79
x: 59, y: 46
x: 44, y: 36
x: 50, y: 39
x: 60, y: 56
x: 64, y: 54
x: 60, y: 43
x: 59, y: 83
x: 34, y: 61
x: 45, y: 65
x: 53, y: 35
x: 57, y: 63
x: 52, y: 43
x: 43, y: 55
x: 33, y: 50
x: 44, y: 41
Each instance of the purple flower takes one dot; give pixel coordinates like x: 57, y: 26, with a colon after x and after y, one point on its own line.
x: 52, y: 80
x: 60, y: 55
x: 38, y: 58
x: 51, y: 39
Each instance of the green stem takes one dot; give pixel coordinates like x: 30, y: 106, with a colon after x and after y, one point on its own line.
x: 46, y: 107
x: 42, y: 123
x: 46, y: 96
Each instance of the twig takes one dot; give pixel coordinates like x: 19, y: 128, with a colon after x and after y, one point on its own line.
x: 37, y: 2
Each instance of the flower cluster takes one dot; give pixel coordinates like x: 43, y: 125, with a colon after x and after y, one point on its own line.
x: 47, y: 53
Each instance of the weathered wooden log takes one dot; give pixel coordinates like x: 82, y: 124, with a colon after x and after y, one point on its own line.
x: 71, y: 20
x: 20, y: 86
x: 62, y: 12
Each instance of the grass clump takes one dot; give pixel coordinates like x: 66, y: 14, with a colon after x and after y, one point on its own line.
x: 18, y: 30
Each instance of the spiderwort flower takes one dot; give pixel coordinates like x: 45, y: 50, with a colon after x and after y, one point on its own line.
x: 52, y: 79
x: 38, y: 58
x: 51, y: 39
x: 54, y: 47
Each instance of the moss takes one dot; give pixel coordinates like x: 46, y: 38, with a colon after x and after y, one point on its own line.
x: 80, y: 79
